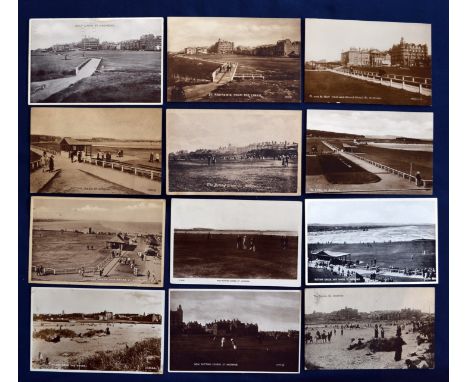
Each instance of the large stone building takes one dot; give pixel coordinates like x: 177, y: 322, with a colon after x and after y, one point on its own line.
x: 355, y: 57
x: 409, y: 54
x: 150, y: 42
x: 89, y: 43
x: 222, y: 47
x: 176, y: 318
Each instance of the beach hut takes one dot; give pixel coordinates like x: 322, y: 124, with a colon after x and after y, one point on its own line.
x: 331, y: 256
x: 117, y: 242
x: 349, y: 148
x: 72, y: 145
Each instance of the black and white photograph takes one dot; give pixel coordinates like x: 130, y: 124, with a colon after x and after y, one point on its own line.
x: 231, y: 152
x: 227, y: 59
x: 242, y: 242
x: 95, y: 151
x: 370, y: 152
x: 91, y: 241
x: 96, y: 61
x: 369, y: 328
x: 372, y: 241
x: 368, y: 62
x: 234, y: 331
x: 97, y: 330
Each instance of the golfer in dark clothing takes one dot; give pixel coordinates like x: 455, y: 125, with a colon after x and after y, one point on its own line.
x: 51, y: 163
x: 376, y: 331
x: 399, y: 348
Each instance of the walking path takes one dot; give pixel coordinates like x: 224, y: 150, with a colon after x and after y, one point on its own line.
x: 86, y: 178
x: 50, y: 87
x: 388, y: 182
x: 110, y: 266
x: 197, y: 92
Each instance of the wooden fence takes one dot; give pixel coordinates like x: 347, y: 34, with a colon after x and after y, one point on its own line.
x: 118, y: 166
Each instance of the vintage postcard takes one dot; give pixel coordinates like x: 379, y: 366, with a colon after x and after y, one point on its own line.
x: 244, y: 242
x: 234, y: 331
x: 369, y: 328
x: 223, y: 59
x: 231, y: 152
x: 95, y: 151
x: 371, y: 152
x: 89, y: 241
x: 368, y: 62
x: 96, y: 61
x: 97, y: 330
x: 372, y: 241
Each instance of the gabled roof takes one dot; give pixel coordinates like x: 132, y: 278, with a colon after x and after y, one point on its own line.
x: 117, y: 239
x: 72, y: 141
x: 331, y: 253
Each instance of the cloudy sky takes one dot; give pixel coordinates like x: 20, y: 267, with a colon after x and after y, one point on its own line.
x: 384, y: 211
x: 125, y: 210
x: 327, y: 300
x: 271, y: 310
x: 236, y: 214
x: 54, y: 300
x: 325, y: 39
x: 47, y: 32
x: 204, y: 31
x: 195, y: 129
x: 372, y: 123
x: 117, y: 123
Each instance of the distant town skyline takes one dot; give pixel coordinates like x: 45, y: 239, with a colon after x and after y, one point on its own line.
x: 271, y: 310
x: 325, y: 39
x: 118, y: 210
x: 210, y: 129
x: 236, y: 215
x: 371, y: 211
x: 70, y: 300
x: 327, y: 300
x: 87, y: 123
x: 186, y: 32
x: 372, y: 123
x: 47, y: 32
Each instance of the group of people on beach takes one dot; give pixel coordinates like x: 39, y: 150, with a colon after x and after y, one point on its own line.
x: 47, y: 162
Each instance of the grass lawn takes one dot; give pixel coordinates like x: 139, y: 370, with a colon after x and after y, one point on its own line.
x: 261, y: 176
x: 196, y: 255
x: 330, y: 87
x: 200, y: 352
x: 339, y: 170
x: 401, y: 159
x: 48, y: 66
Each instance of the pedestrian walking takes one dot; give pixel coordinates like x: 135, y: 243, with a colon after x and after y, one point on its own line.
x: 51, y: 163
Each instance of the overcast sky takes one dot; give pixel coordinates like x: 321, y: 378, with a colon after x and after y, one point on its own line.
x: 188, y: 129
x: 54, y: 300
x: 47, y: 32
x: 184, y: 32
x: 126, y: 210
x: 326, y: 39
x: 236, y: 214
x: 384, y: 211
x: 271, y: 310
x: 117, y: 123
x: 326, y: 300
x: 372, y: 123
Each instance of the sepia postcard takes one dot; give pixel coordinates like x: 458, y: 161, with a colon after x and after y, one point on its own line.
x: 90, y: 241
x: 371, y: 241
x: 224, y: 59
x: 368, y: 62
x: 96, y: 61
x: 97, y: 330
x: 234, y: 331
x: 242, y: 242
x: 371, y: 152
x: 369, y: 328
x: 95, y: 151
x: 231, y: 152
